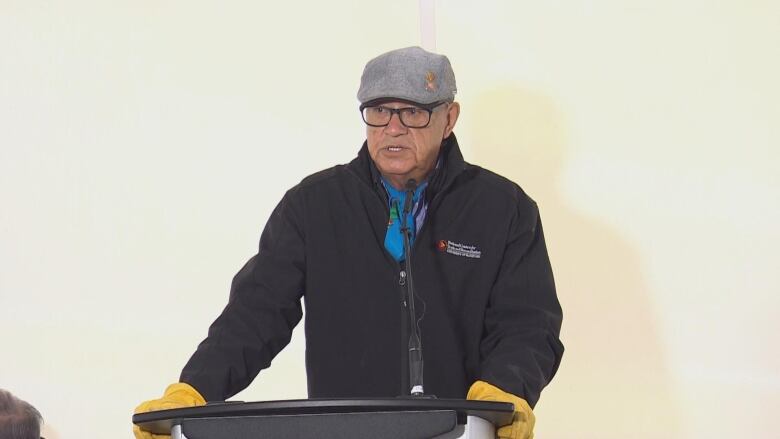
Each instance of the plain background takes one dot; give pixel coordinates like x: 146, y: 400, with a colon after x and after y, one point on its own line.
x: 144, y: 143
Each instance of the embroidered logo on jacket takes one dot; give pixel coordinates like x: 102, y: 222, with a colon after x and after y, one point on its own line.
x: 458, y: 249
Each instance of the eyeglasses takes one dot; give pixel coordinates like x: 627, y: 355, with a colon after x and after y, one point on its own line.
x: 410, y: 117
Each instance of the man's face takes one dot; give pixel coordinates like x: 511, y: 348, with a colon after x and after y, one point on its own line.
x: 402, y: 153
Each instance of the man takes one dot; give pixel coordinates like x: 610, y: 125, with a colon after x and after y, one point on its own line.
x: 485, y: 298
x: 18, y: 419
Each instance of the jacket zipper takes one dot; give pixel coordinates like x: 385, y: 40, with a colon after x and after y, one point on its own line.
x: 404, y: 335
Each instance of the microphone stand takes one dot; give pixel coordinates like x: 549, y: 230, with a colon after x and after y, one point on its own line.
x: 415, y: 344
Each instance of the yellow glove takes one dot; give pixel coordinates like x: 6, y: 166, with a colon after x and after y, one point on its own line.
x: 522, y: 426
x: 176, y: 396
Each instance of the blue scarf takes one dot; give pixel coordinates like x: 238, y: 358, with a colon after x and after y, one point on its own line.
x: 394, y: 239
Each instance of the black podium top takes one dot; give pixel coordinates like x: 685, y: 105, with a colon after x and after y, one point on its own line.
x: 161, y: 422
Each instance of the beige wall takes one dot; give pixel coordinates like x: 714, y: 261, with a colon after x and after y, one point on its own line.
x: 143, y: 145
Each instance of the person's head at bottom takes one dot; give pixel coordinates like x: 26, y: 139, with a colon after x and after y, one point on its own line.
x: 18, y: 419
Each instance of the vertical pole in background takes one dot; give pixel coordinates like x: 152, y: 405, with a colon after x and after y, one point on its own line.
x: 428, y: 25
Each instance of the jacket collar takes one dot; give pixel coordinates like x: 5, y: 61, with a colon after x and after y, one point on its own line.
x: 451, y: 166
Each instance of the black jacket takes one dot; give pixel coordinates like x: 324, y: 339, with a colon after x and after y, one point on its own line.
x: 480, y: 268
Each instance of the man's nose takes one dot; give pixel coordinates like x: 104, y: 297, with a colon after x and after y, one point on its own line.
x: 395, y: 127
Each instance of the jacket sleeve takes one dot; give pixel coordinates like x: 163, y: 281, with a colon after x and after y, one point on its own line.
x: 520, y: 349
x: 263, y: 308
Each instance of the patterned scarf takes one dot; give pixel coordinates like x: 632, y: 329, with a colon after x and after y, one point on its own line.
x: 394, y: 240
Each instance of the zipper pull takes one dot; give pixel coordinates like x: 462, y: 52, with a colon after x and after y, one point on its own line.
x: 402, y: 282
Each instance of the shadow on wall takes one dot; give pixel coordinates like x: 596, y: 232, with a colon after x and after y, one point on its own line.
x: 613, y: 381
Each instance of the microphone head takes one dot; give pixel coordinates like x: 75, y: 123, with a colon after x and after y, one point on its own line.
x: 411, y: 186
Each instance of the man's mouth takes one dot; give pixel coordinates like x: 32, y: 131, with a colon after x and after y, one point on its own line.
x: 394, y: 148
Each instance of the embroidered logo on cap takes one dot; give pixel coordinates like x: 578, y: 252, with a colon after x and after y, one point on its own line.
x: 458, y: 249
x: 430, y: 81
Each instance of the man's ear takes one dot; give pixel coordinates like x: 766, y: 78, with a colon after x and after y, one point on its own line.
x: 452, y: 116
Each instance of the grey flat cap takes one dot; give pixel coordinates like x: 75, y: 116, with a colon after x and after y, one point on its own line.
x: 411, y: 74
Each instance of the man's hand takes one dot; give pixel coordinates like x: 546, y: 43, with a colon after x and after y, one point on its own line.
x: 522, y: 426
x: 176, y: 396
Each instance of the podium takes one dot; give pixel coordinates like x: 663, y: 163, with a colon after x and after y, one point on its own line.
x: 399, y: 418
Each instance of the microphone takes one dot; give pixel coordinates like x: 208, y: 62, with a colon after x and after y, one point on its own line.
x: 415, y: 343
x: 411, y: 186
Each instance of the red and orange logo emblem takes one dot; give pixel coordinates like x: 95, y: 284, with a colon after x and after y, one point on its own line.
x: 430, y: 81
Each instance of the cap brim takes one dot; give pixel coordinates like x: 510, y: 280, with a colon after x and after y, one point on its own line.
x: 379, y: 101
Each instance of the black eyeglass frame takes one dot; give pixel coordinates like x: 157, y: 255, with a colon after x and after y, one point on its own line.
x: 427, y: 108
